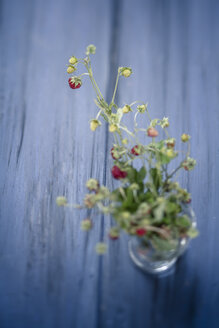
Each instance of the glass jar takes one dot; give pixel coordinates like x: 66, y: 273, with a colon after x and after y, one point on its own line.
x: 153, y: 261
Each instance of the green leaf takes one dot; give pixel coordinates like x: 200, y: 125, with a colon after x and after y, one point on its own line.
x: 164, y: 159
x: 156, y: 177
x: 160, y: 144
x: 167, y: 220
x: 129, y: 195
x: 144, y: 197
x: 129, y: 204
x: 141, y: 174
x: 183, y: 221
x: 172, y: 208
x: 131, y: 174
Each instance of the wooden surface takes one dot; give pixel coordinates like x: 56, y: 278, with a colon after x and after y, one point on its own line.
x: 50, y: 275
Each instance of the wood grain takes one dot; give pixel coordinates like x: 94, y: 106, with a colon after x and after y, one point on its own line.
x: 50, y: 275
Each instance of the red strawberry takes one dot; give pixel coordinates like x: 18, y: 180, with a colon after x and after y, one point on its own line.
x: 135, y: 150
x: 117, y: 173
x: 73, y: 85
x: 141, y: 232
x: 152, y: 132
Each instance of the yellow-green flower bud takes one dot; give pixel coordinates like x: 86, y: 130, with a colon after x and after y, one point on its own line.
x: 125, y: 141
x: 92, y: 184
x: 185, y: 137
x: 61, y: 201
x: 126, y: 109
x: 125, y: 71
x: 125, y: 215
x: 112, y: 128
x: 134, y: 186
x: 101, y: 248
x: 73, y: 60
x: 86, y: 224
x: 91, y: 49
x: 142, y: 108
x: 170, y: 153
x: 71, y: 69
x: 94, y: 124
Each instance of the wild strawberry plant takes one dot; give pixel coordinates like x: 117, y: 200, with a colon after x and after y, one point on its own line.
x: 148, y: 202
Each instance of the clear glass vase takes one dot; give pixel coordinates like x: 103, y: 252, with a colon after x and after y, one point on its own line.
x: 153, y: 261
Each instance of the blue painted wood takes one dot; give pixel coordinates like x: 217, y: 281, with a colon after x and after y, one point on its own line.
x: 49, y: 273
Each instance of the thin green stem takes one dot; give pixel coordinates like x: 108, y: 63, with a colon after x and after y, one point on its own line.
x: 127, y: 131
x: 166, y: 132
x: 180, y: 166
x: 94, y: 84
x: 135, y: 120
x: 98, y: 114
x: 116, y: 139
x: 148, y: 115
x: 120, y: 136
x: 115, y: 89
x: 97, y: 86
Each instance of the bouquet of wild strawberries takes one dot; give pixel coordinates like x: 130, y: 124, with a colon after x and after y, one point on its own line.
x: 148, y: 203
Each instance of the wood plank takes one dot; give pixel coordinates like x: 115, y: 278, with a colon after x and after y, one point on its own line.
x: 172, y: 47
x: 49, y: 270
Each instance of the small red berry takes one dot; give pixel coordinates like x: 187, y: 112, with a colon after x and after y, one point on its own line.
x: 188, y: 201
x: 141, y: 232
x: 135, y: 150
x: 152, y: 132
x: 73, y: 85
x: 117, y: 173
